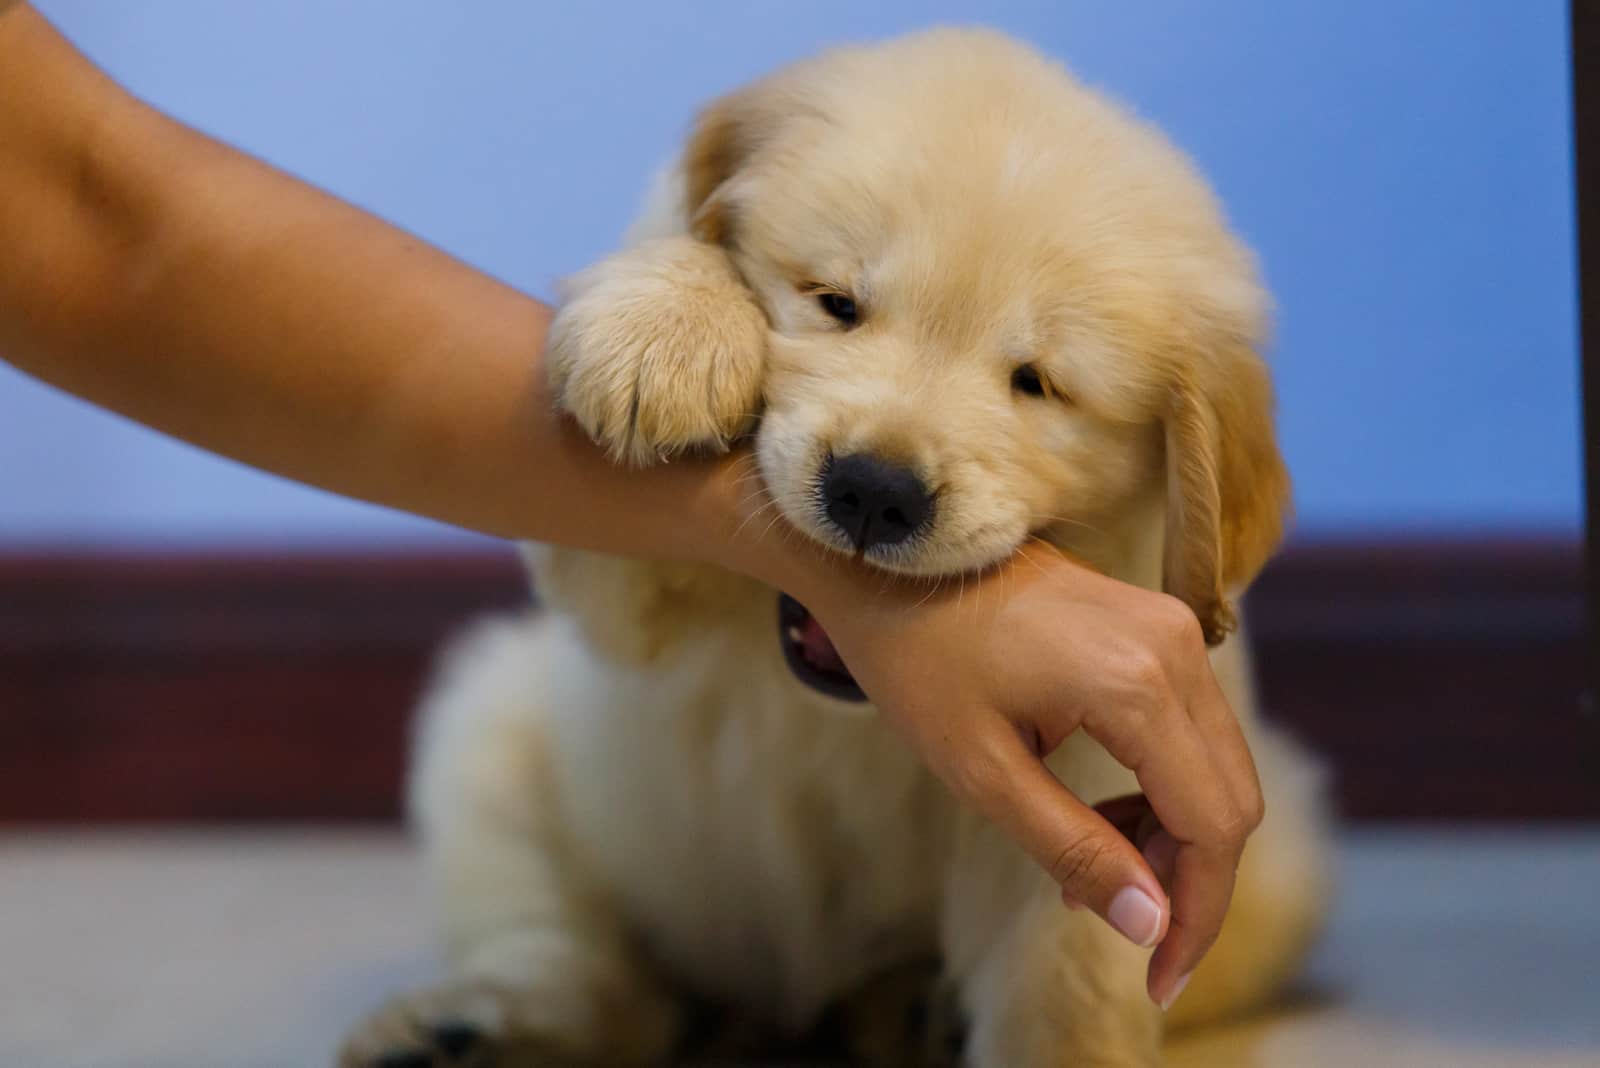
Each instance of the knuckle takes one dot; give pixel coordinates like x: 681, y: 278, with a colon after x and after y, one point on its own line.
x: 1079, y: 861
x: 1148, y: 680
x: 1253, y: 811
x: 1179, y: 625
x: 1145, y: 668
x: 976, y: 776
x: 1234, y: 828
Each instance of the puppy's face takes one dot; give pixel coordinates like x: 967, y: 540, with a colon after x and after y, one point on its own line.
x: 940, y: 383
x: 999, y: 307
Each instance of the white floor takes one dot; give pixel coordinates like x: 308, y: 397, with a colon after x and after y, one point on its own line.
x: 254, y: 950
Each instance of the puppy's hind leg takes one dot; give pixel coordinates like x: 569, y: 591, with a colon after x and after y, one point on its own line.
x: 542, y: 973
x: 1060, y: 989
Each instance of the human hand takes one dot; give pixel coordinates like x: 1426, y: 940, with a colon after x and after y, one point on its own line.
x: 986, y: 683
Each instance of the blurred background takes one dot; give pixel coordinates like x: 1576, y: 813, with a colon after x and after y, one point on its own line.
x: 186, y: 641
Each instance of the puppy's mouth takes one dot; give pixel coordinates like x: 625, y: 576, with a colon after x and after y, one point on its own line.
x: 810, y: 654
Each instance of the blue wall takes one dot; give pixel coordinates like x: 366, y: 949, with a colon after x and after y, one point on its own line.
x: 1401, y: 165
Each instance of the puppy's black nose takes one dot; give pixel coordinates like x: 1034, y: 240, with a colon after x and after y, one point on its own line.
x: 874, y: 502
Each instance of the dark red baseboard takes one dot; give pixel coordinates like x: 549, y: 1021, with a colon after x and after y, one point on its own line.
x: 1442, y: 681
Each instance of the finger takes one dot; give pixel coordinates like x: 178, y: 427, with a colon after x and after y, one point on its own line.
x: 1160, y: 851
x: 1182, y: 782
x: 1087, y: 857
x: 1133, y: 818
x: 1210, y: 711
x: 1202, y: 886
x: 1187, y: 792
x: 1126, y: 813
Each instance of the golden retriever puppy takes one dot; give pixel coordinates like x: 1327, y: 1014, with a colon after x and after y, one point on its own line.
x: 958, y: 300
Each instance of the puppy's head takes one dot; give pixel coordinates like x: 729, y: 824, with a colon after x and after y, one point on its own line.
x: 1000, y: 307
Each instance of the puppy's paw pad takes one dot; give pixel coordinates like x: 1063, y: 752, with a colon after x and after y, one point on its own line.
x: 456, y: 1038
x: 659, y: 350
x: 470, y: 1025
x: 409, y: 1058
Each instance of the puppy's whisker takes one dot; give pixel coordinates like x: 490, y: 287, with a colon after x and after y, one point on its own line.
x: 1058, y: 553
x: 776, y: 519
x: 788, y: 533
x: 753, y: 496
x: 755, y: 508
x: 756, y: 498
x: 885, y: 578
x: 933, y: 588
x: 747, y: 519
x: 1074, y: 522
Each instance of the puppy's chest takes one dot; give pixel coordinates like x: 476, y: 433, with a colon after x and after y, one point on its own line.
x: 770, y: 850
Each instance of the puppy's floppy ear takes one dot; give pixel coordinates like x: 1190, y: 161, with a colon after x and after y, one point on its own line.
x: 1227, y: 489
x: 732, y: 130
x: 720, y: 143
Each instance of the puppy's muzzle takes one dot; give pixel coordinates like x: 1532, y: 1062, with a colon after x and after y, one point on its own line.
x: 872, y: 501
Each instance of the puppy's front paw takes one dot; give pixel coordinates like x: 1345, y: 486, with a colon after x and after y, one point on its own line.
x: 473, y: 1025
x: 658, y: 350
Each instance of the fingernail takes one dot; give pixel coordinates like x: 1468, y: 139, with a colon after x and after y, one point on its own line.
x: 1177, y: 988
x: 1136, y: 915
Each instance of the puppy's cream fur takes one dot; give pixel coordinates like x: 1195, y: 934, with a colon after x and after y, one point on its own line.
x: 630, y: 796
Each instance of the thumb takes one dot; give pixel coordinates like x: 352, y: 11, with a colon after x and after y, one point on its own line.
x: 1092, y: 862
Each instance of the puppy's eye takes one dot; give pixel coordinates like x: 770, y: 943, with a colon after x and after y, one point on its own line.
x: 1025, y: 379
x: 838, y: 305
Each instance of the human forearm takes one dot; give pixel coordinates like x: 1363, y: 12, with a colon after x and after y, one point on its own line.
x: 167, y: 277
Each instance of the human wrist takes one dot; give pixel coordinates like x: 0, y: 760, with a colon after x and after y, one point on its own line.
x: 734, y: 524
x: 726, y: 517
